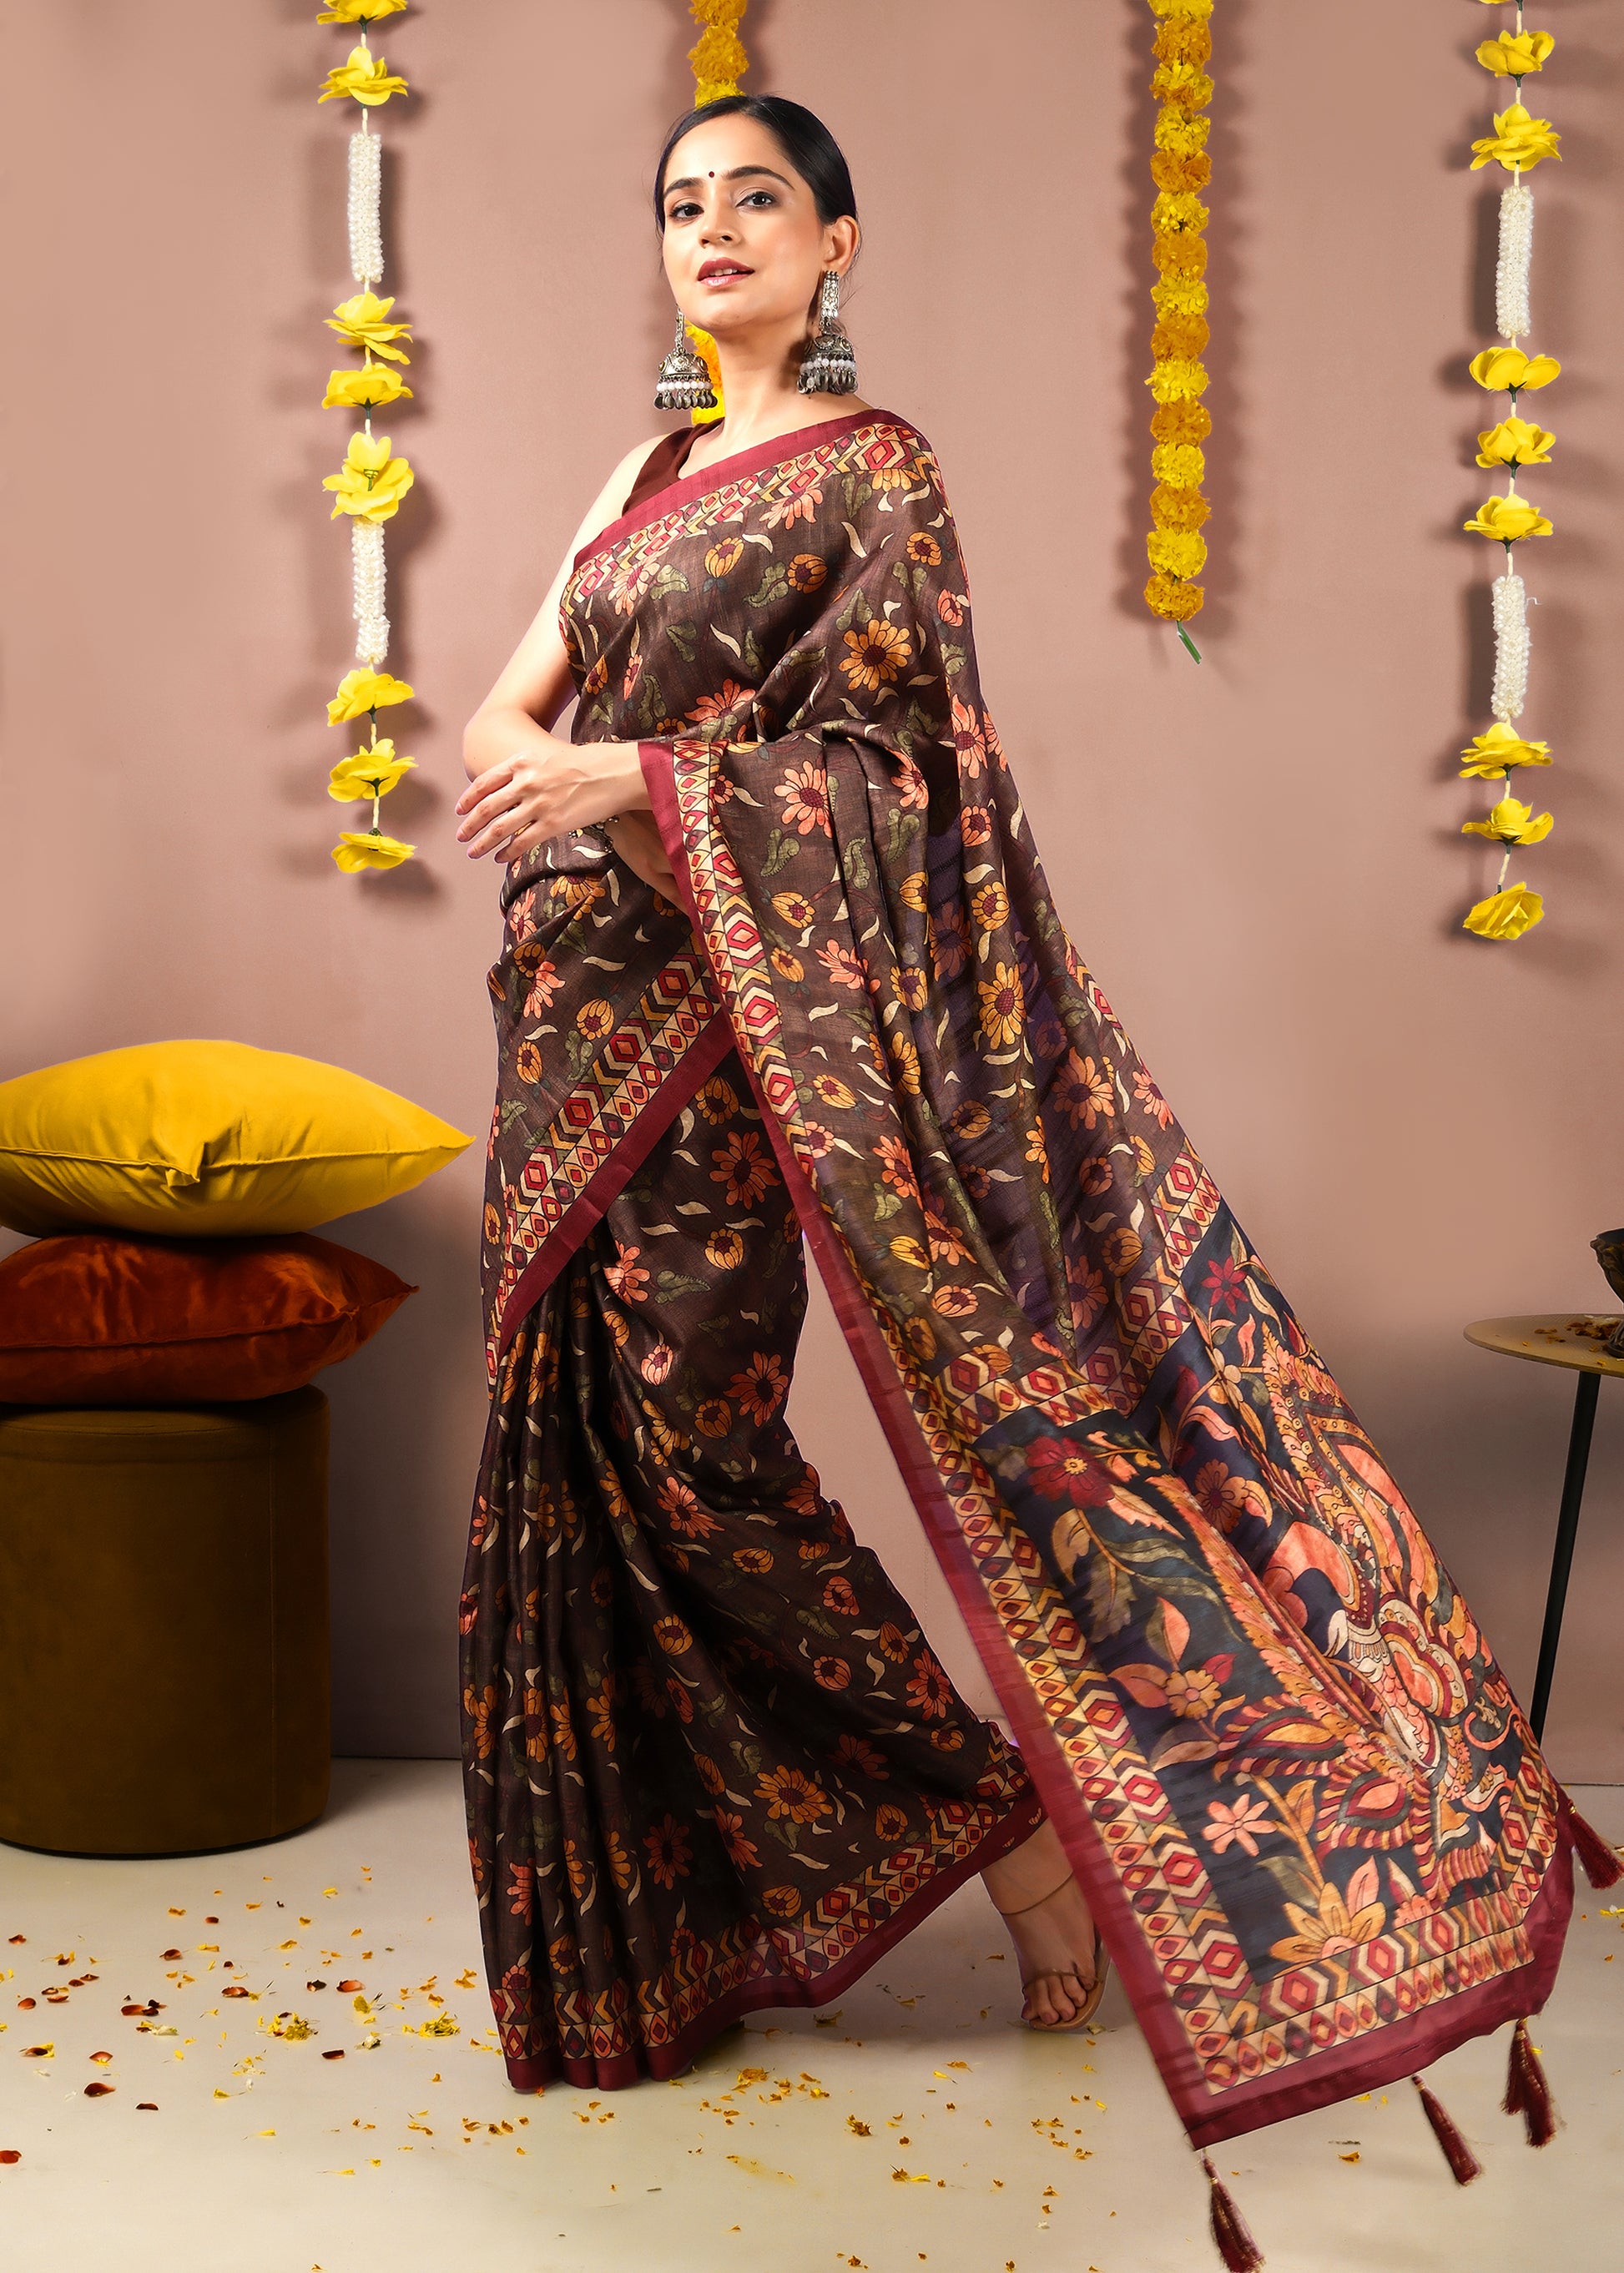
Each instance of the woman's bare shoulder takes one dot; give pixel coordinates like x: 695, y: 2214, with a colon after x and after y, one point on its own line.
x: 610, y: 502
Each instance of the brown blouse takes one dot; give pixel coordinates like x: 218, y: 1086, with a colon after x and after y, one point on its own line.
x: 664, y: 463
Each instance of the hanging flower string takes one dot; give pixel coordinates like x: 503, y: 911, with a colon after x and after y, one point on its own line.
x: 1180, y: 168
x: 371, y: 483
x: 719, y: 63
x: 1518, y: 144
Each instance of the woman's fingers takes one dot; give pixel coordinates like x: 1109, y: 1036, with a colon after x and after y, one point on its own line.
x: 536, y: 794
x: 482, y: 784
x: 495, y: 826
x: 489, y: 809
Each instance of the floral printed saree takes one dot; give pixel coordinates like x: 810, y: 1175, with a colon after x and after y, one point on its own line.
x: 1307, y: 1811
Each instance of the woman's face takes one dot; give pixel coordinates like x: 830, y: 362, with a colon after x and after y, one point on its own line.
x: 733, y: 202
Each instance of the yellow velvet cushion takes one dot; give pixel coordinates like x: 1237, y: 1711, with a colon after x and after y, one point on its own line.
x: 210, y: 1138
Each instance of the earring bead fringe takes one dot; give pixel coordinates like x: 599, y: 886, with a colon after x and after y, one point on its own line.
x: 829, y: 364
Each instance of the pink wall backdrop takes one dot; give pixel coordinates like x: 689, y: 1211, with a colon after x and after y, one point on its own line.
x: 1260, y: 857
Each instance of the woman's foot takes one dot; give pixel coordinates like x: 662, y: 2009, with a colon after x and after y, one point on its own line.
x: 1052, y: 1929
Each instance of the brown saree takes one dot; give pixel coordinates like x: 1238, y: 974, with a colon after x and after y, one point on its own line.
x: 1303, y: 1802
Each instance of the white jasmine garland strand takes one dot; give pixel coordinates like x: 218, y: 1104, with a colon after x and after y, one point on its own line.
x: 366, y: 207
x: 1511, y: 647
x: 367, y: 551
x: 1513, y: 317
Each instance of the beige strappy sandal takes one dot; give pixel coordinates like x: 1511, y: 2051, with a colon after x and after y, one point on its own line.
x: 1092, y: 1992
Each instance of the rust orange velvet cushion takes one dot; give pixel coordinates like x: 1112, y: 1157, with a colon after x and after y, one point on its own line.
x: 113, y: 1319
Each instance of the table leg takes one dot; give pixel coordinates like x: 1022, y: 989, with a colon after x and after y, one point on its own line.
x: 1567, y: 1529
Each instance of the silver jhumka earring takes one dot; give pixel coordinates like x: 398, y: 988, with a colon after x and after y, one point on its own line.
x: 829, y: 364
x: 684, y: 382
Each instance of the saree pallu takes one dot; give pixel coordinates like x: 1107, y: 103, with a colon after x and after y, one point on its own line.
x: 1307, y: 1811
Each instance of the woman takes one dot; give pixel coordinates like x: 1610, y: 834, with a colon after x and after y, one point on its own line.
x: 779, y: 957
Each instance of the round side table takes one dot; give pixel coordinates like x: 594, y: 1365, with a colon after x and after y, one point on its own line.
x: 1578, y: 1342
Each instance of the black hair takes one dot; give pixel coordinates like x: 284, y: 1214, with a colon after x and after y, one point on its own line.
x: 802, y: 135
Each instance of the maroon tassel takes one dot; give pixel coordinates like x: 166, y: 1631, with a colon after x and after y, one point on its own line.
x: 1239, y: 2252
x: 1602, y: 1866
x: 1457, y: 2154
x: 1526, y: 2092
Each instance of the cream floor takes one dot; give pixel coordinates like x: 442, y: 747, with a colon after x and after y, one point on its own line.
x: 917, y: 2126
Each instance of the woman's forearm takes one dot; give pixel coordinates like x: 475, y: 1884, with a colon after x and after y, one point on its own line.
x: 603, y: 770
x: 493, y: 734
x: 526, y: 785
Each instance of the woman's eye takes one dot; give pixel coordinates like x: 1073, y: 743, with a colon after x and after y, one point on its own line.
x: 760, y: 193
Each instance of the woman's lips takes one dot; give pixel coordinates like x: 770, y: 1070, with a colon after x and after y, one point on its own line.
x: 731, y: 276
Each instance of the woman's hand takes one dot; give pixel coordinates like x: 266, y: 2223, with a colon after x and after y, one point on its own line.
x: 636, y: 838
x: 545, y: 788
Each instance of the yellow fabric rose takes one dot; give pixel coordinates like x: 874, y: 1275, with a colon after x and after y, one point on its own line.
x: 1507, y: 369
x: 369, y: 484
x: 1513, y: 442
x: 364, y: 389
x: 1505, y: 915
x: 362, y: 322
x: 1515, y: 54
x: 358, y: 849
x: 364, y: 76
x: 1512, y: 822
x: 361, y: 691
x: 368, y: 773
x: 1517, y: 141
x: 358, y: 12
x: 1490, y: 756
x: 1507, y: 520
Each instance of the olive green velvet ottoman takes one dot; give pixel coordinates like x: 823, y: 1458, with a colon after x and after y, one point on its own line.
x: 163, y: 1625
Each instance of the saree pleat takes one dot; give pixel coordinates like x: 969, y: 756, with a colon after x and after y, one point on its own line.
x: 714, y: 1764
x: 1304, y: 1805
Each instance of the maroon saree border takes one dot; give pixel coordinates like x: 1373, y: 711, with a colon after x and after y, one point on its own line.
x: 661, y: 2062
x: 751, y: 460
x: 1318, y: 2079
x: 699, y: 1063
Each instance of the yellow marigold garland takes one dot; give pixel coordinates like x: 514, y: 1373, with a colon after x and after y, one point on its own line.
x: 369, y: 485
x: 1518, y: 144
x: 719, y: 63
x: 1181, y: 169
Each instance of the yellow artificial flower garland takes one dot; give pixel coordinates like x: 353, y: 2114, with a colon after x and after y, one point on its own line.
x: 1519, y: 143
x: 719, y: 63
x: 371, y: 483
x: 1180, y: 168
